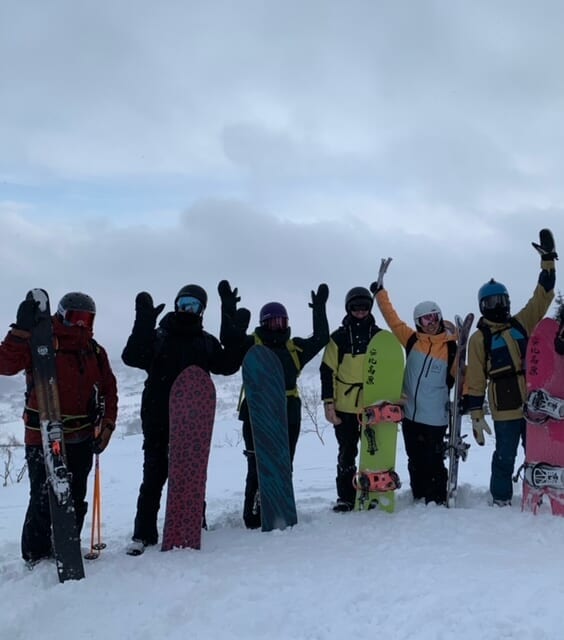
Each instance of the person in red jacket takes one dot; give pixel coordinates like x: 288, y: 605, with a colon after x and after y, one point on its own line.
x: 83, y: 375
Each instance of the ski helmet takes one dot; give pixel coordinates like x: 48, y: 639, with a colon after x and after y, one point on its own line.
x: 425, y: 308
x: 192, y: 291
x: 77, y: 309
x: 494, y: 301
x: 274, y: 316
x: 358, y: 295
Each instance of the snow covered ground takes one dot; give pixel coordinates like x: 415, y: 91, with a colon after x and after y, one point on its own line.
x: 424, y: 573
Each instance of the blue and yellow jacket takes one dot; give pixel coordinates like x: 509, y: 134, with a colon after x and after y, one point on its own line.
x: 501, y: 369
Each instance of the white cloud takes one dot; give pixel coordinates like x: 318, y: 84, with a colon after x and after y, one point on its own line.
x: 302, y: 141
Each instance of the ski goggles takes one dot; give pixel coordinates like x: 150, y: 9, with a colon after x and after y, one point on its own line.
x: 429, y: 319
x: 276, y: 324
x: 79, y: 318
x: 189, y: 304
x: 360, y: 306
x: 497, y: 300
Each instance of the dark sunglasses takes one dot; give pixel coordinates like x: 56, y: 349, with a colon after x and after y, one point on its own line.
x: 360, y: 306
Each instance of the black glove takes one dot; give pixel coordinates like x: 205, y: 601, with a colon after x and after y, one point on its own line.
x: 25, y: 317
x: 145, y: 310
x: 229, y: 298
x: 102, y: 440
x: 463, y: 404
x: 233, y: 329
x: 545, y: 246
x: 242, y: 319
x: 319, y: 299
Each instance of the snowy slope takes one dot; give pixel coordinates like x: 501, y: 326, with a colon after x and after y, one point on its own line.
x: 422, y: 573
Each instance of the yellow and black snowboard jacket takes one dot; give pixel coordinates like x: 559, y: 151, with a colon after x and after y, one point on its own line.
x: 342, y: 368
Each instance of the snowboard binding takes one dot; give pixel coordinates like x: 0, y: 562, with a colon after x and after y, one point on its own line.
x: 542, y: 475
x: 541, y: 406
x: 381, y: 412
x: 377, y: 481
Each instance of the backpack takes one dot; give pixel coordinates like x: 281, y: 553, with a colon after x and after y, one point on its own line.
x: 488, y: 336
x: 452, y: 349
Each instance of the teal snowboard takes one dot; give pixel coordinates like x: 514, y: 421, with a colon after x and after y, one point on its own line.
x: 263, y: 380
x: 383, y: 378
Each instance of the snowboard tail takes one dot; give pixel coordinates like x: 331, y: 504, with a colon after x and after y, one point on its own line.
x: 65, y: 534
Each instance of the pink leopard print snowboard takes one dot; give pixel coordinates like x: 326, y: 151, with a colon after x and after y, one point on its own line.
x: 192, y: 411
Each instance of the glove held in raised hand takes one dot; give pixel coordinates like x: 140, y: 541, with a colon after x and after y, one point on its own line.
x: 25, y: 316
x: 145, y: 310
x: 545, y: 246
x: 319, y: 299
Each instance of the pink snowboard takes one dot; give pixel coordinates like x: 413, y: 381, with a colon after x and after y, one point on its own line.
x: 545, y: 441
x: 192, y: 411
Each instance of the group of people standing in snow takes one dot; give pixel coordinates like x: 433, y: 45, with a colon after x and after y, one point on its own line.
x: 496, y: 356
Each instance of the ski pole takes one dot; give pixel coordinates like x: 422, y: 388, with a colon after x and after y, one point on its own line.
x: 96, y: 544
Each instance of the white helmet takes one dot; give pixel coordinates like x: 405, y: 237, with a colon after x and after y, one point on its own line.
x: 425, y: 307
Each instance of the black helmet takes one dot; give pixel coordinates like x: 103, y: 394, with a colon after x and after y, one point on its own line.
x: 272, y: 310
x: 274, y: 316
x: 193, y: 291
x: 77, y: 309
x: 358, y: 295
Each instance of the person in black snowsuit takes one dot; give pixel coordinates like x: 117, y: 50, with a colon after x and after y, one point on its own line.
x: 294, y: 353
x: 179, y: 341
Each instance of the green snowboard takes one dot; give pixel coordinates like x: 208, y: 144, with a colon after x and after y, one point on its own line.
x: 383, y: 379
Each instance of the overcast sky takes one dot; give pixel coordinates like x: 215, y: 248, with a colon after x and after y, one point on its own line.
x: 144, y: 146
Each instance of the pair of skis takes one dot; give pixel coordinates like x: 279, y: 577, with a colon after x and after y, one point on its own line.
x: 456, y: 448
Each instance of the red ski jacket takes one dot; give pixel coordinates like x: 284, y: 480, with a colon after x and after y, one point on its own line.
x: 82, y: 365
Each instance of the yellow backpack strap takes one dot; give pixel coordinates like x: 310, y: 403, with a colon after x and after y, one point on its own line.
x: 293, y: 349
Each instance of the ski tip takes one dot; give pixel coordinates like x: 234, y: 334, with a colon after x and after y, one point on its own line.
x: 41, y: 296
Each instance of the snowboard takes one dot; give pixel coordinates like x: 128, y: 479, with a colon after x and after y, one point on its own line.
x: 191, y: 409
x: 64, y: 532
x: 544, y: 450
x: 263, y: 382
x: 456, y: 449
x: 383, y: 379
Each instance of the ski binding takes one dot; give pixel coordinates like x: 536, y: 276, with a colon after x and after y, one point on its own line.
x: 57, y: 473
